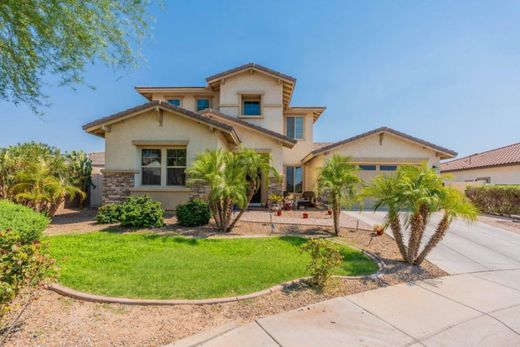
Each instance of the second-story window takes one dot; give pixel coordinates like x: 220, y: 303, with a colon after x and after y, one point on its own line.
x: 251, y: 105
x: 294, y: 127
x: 175, y: 102
x: 203, y: 104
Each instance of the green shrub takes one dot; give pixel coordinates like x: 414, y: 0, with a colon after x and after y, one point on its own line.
x: 22, y: 219
x: 108, y: 214
x: 141, y: 211
x: 193, y: 213
x: 501, y: 200
x: 325, y: 258
x: 23, y: 265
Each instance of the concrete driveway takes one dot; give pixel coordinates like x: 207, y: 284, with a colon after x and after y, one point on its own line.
x: 479, y: 305
x: 466, y: 247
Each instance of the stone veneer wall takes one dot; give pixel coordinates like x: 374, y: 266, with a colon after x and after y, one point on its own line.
x: 199, y: 190
x: 275, y: 187
x: 116, y: 186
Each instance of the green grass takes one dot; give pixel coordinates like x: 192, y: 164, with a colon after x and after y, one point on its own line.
x: 165, y: 267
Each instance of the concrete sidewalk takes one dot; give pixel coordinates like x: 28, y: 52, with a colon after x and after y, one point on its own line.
x: 477, y: 309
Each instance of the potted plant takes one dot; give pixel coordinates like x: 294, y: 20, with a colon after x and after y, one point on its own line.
x: 275, y: 202
x: 379, y: 229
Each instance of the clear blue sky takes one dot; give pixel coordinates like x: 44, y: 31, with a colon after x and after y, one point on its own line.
x: 444, y: 71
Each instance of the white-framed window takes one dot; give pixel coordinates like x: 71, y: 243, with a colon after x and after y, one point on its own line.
x: 175, y: 166
x: 203, y: 103
x: 368, y: 167
x: 163, y: 166
x: 175, y: 101
x: 251, y: 105
x: 293, y: 179
x: 388, y: 167
x: 294, y: 127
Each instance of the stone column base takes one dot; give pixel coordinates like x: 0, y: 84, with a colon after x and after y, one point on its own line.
x: 116, y: 186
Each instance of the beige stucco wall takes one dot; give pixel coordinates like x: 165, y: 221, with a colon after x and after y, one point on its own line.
x: 122, y: 155
x: 294, y: 156
x: 497, y: 175
x: 188, y: 101
x: 270, y: 90
x: 368, y: 150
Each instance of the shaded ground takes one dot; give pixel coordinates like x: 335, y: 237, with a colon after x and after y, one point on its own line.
x: 53, y: 320
x: 252, y: 222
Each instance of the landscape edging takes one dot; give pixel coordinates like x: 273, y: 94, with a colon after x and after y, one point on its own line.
x: 69, y: 292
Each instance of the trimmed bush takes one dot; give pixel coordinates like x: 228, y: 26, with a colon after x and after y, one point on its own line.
x: 108, y: 214
x: 23, y: 265
x: 193, y: 213
x: 23, y: 220
x: 500, y: 200
x: 141, y: 211
x: 325, y: 258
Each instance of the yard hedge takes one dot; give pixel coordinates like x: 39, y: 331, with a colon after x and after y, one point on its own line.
x: 135, y: 212
x: 193, y: 213
x: 500, y: 200
x: 28, y: 223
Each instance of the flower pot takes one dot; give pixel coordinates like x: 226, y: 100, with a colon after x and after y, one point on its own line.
x: 379, y: 230
x: 329, y: 212
x: 279, y: 213
x: 305, y: 215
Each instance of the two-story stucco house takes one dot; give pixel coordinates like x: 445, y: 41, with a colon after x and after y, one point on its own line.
x: 148, y: 147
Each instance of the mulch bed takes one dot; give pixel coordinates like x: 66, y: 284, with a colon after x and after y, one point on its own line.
x: 53, y: 320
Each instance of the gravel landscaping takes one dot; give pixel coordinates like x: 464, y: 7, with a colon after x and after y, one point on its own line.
x: 53, y: 320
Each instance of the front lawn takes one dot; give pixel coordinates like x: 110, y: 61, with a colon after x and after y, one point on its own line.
x: 165, y: 267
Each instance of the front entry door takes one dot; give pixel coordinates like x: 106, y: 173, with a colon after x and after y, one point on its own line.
x: 257, y: 197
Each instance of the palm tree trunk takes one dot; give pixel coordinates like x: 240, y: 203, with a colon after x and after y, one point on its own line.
x: 438, y: 235
x: 336, y: 211
x: 250, y: 194
x: 395, y: 226
x: 417, y: 226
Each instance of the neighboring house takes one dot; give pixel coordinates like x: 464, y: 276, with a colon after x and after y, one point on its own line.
x: 148, y: 147
x: 497, y: 166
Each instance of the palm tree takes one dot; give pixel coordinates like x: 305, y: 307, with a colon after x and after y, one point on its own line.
x: 256, y: 166
x: 338, y: 179
x: 384, y: 190
x: 220, y: 171
x: 416, y: 192
x: 42, y: 191
x: 232, y: 178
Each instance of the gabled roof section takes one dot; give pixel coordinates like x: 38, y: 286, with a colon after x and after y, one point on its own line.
x: 100, y: 126
x: 285, y: 140
x: 503, y: 156
x: 316, y: 110
x: 444, y: 152
x: 288, y: 81
x: 148, y: 92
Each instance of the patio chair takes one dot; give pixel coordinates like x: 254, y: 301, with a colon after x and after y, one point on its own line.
x: 308, y: 199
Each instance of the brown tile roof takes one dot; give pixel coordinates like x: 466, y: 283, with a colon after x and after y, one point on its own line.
x: 318, y: 145
x: 263, y: 130
x: 503, y: 156
x: 325, y: 148
x: 97, y: 158
x: 150, y: 105
x: 251, y: 66
x: 166, y: 106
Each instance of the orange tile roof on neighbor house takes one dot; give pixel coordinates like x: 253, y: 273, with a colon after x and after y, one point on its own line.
x: 503, y: 156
